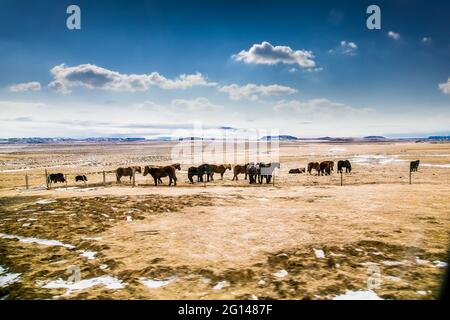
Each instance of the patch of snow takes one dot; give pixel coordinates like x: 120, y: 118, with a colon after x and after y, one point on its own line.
x: 319, y: 253
x: 281, y: 274
x: 421, y: 292
x: 358, y: 295
x: 220, y: 285
x: 45, y: 201
x: 253, y: 297
x: 421, y: 261
x: 261, y: 282
x: 129, y: 218
x: 152, y: 283
x: 37, y: 240
x: 9, y: 278
x: 103, y: 266
x: 440, y: 264
x: 88, y: 254
x: 107, y: 281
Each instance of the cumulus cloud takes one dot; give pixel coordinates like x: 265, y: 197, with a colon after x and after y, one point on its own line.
x: 445, y: 87
x: 27, y: 86
x: 347, y: 47
x: 93, y: 77
x: 254, y: 92
x: 265, y: 53
x: 394, y: 35
x: 318, y: 105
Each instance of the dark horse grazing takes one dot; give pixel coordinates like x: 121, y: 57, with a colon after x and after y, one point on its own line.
x: 126, y: 172
x: 344, y: 164
x: 315, y: 166
x: 325, y: 168
x: 56, y: 177
x: 80, y: 178
x: 158, y: 172
x: 266, y: 171
x: 414, y: 165
x: 238, y: 169
x: 219, y: 169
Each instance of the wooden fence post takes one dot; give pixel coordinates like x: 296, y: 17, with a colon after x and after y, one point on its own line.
x: 410, y: 176
x: 46, y: 179
x: 341, y: 177
x: 104, y: 179
x: 26, y: 181
x: 134, y: 178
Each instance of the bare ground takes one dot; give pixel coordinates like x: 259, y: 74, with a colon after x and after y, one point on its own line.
x: 229, y: 239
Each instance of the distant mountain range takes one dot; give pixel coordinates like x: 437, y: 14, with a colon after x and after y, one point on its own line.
x: 39, y: 140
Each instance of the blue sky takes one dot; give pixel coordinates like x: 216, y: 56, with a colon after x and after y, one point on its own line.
x: 146, y: 68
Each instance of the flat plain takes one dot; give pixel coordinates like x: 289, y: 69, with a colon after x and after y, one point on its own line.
x: 302, y: 237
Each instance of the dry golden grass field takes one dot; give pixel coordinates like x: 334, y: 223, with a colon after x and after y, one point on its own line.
x: 303, y: 237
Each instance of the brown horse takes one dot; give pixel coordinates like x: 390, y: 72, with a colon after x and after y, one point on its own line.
x: 315, y: 166
x: 238, y: 169
x: 126, y: 172
x: 158, y: 172
x: 219, y: 169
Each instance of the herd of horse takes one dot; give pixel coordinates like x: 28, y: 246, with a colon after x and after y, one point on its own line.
x: 256, y: 172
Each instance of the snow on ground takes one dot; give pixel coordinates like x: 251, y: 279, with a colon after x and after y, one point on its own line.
x: 45, y: 201
x: 220, y: 285
x: 107, y: 281
x: 358, y: 295
x: 319, y: 253
x: 152, y: 283
x: 281, y: 274
x: 88, y: 254
x: 37, y: 241
x: 8, y: 278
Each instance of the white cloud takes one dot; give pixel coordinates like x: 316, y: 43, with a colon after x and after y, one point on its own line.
x: 318, y: 105
x: 200, y: 104
x: 27, y: 86
x: 348, y: 47
x: 394, y: 35
x: 253, y: 92
x: 445, y: 87
x: 93, y: 77
x: 265, y: 53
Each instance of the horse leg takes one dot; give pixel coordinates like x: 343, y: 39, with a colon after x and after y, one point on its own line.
x: 156, y: 181
x: 174, y: 180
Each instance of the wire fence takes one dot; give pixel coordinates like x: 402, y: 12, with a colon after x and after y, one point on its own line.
x: 105, y: 178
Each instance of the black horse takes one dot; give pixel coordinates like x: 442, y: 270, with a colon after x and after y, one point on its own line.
x: 253, y: 173
x: 414, y: 165
x: 56, y: 177
x: 80, y: 178
x: 344, y: 164
x: 199, y: 171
